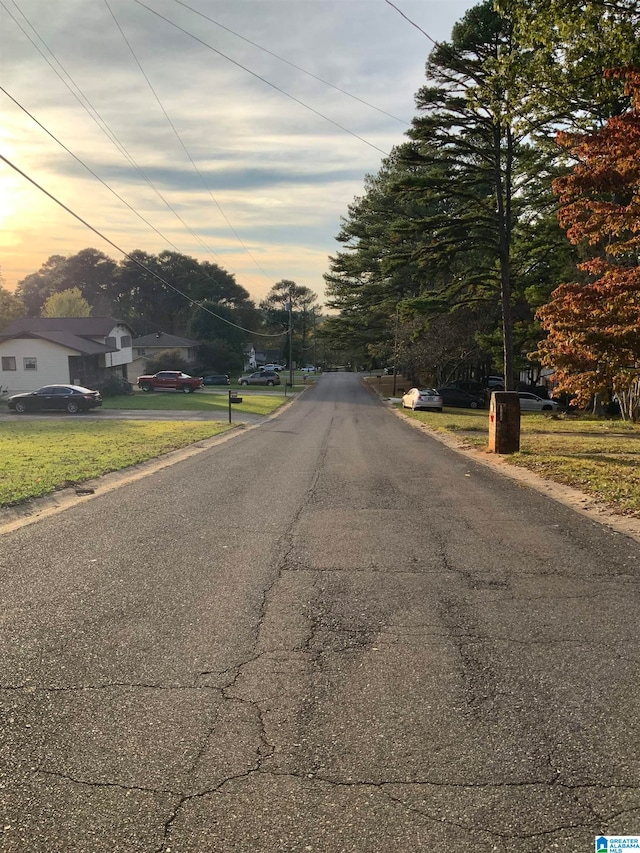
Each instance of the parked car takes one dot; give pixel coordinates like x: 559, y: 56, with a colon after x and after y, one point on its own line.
x: 533, y: 403
x: 260, y: 377
x: 471, y: 386
x: 62, y: 398
x: 495, y: 383
x: 170, y: 379
x: 538, y: 390
x: 216, y: 379
x: 308, y: 368
x: 272, y: 367
x: 425, y: 398
x: 462, y: 399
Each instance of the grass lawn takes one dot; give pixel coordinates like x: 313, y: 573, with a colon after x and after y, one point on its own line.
x: 38, y: 457
x: 253, y: 402
x: 600, y: 457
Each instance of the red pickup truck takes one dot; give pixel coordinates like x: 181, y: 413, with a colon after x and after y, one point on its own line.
x: 167, y: 379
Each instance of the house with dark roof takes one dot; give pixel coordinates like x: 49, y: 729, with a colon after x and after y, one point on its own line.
x: 36, y: 351
x: 149, y: 346
x: 254, y: 358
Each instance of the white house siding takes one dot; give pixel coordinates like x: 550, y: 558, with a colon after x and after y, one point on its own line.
x: 124, y: 354
x: 52, y: 364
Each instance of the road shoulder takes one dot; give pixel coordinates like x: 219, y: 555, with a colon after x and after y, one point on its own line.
x: 577, y: 500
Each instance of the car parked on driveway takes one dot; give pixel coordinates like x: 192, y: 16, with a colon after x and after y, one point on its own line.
x: 166, y: 380
x: 216, y: 379
x: 471, y: 386
x: 422, y: 398
x: 533, y: 403
x: 260, y: 377
x: 61, y: 398
x: 276, y: 367
x: 462, y: 399
x: 495, y: 383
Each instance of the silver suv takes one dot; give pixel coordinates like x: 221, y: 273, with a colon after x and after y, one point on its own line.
x: 260, y: 377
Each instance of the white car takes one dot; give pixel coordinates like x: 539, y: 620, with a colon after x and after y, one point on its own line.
x: 276, y: 367
x: 308, y: 369
x: 425, y: 398
x: 533, y: 403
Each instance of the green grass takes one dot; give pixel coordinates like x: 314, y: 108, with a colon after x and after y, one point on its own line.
x: 255, y: 403
x: 600, y: 457
x: 38, y: 457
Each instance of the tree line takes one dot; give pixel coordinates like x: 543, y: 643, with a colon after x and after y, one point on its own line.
x: 504, y: 230
x: 172, y: 293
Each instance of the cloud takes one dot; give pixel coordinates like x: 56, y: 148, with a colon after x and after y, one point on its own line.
x: 281, y: 170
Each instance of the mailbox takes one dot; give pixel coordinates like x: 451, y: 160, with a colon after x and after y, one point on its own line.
x: 504, y: 422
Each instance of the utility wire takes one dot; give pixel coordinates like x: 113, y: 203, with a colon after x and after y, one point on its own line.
x: 77, y: 94
x: 88, y: 168
x: 263, y: 79
x: 95, y: 116
x: 291, y: 64
x: 413, y: 23
x: 102, y: 181
x: 180, y: 140
x: 151, y: 272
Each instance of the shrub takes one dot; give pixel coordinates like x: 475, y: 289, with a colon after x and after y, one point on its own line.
x: 115, y: 386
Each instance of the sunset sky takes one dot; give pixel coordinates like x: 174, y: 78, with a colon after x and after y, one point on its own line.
x: 165, y: 130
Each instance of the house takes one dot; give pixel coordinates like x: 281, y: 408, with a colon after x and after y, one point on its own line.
x: 37, y: 351
x: 249, y: 356
x: 254, y: 358
x: 149, y: 346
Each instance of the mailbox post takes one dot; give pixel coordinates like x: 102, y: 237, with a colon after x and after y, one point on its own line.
x: 233, y: 398
x: 504, y: 422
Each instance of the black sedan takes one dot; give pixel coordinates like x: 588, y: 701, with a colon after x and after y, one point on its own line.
x: 216, y: 379
x: 64, y: 398
x: 463, y: 399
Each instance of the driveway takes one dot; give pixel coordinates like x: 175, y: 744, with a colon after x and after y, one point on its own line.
x: 140, y: 415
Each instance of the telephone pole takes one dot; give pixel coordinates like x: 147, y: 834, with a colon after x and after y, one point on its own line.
x: 290, y: 309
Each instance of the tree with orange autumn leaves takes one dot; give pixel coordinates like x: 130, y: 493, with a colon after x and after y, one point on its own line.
x: 593, y: 325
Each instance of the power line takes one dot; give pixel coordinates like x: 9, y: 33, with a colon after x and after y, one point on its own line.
x: 97, y: 177
x: 263, y: 79
x: 413, y: 23
x: 291, y: 64
x: 78, y: 94
x: 181, y: 141
x: 86, y: 104
x: 151, y: 272
x: 88, y: 168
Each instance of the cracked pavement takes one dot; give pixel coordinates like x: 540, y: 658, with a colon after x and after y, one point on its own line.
x: 328, y: 634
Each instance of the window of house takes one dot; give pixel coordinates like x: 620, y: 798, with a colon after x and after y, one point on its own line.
x: 125, y: 342
x: 30, y: 363
x: 8, y: 362
x: 140, y: 350
x: 111, y: 342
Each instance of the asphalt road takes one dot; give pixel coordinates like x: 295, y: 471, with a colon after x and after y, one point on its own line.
x: 329, y: 633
